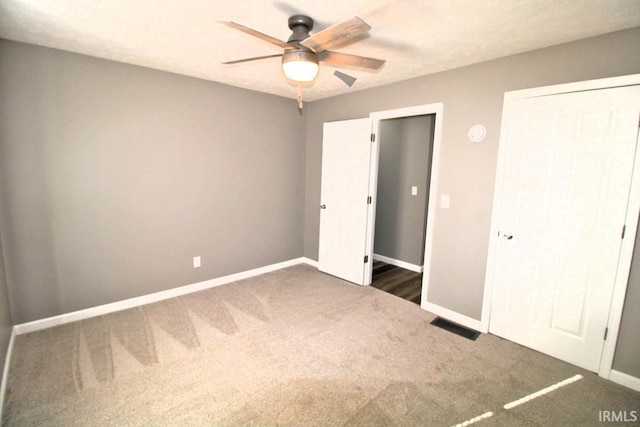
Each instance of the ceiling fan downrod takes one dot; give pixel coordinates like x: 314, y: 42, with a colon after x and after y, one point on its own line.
x: 300, y: 25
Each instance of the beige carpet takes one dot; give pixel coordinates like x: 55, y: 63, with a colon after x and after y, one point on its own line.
x: 292, y: 347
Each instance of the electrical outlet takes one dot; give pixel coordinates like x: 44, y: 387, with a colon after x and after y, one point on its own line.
x: 197, y: 262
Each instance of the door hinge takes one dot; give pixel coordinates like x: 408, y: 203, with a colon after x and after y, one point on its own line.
x: 369, y: 200
x: 366, y: 259
x: 624, y: 228
x: 373, y: 137
x: 606, y: 332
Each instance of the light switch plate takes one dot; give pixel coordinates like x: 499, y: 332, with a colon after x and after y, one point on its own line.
x: 444, y: 201
x: 414, y: 190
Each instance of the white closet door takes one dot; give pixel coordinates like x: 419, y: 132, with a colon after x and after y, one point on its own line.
x: 566, y: 179
x: 346, y: 165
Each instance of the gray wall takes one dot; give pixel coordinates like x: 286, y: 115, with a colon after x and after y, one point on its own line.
x: 405, y: 153
x: 116, y: 176
x: 470, y: 95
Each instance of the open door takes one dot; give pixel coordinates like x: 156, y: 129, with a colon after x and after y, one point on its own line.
x: 350, y: 153
x: 346, y: 209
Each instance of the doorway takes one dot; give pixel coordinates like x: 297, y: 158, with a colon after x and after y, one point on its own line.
x: 402, y: 196
x: 349, y: 183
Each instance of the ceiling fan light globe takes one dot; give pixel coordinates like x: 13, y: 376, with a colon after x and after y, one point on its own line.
x: 300, y: 66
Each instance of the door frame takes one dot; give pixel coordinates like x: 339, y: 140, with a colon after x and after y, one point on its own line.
x: 377, y: 117
x: 631, y: 220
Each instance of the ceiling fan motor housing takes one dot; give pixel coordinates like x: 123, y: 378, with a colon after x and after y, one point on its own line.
x: 302, y: 54
x: 300, y: 26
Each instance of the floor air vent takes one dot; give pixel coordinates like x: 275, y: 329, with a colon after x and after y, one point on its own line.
x: 456, y: 329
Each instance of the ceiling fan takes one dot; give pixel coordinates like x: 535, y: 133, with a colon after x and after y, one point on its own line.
x: 303, y: 52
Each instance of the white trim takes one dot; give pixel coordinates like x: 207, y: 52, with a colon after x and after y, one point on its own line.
x: 432, y: 208
x: 625, y: 379
x: 5, y: 370
x: 606, y: 83
x: 151, y: 298
x: 452, y: 316
x: 415, y: 110
x: 495, y: 219
x: 623, y: 270
x: 633, y: 209
x: 398, y: 263
x: 308, y: 261
x: 373, y: 191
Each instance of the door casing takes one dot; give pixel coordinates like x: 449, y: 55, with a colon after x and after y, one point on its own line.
x: 377, y: 117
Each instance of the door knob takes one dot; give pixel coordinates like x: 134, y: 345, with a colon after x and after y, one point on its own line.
x: 508, y: 236
x: 323, y: 206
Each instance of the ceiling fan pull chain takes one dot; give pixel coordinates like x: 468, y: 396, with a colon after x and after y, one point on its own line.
x: 299, y: 96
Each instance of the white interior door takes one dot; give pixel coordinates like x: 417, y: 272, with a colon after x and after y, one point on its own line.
x: 346, y: 167
x: 563, y: 187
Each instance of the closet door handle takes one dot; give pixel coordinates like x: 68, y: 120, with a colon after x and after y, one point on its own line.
x: 323, y: 206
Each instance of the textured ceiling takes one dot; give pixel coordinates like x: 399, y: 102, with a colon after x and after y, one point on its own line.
x: 416, y: 37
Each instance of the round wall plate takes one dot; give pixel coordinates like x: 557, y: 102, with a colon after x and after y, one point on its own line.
x: 477, y: 133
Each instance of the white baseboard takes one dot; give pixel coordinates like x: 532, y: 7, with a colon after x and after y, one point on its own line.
x: 309, y: 261
x: 5, y: 370
x: 62, y: 319
x: 625, y: 380
x: 398, y: 263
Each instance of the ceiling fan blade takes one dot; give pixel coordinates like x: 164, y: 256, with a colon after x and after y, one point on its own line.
x: 346, y: 78
x: 337, y: 34
x: 238, y: 61
x: 337, y: 58
x: 257, y: 34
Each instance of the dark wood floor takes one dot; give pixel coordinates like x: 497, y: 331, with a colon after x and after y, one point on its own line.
x: 397, y: 281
